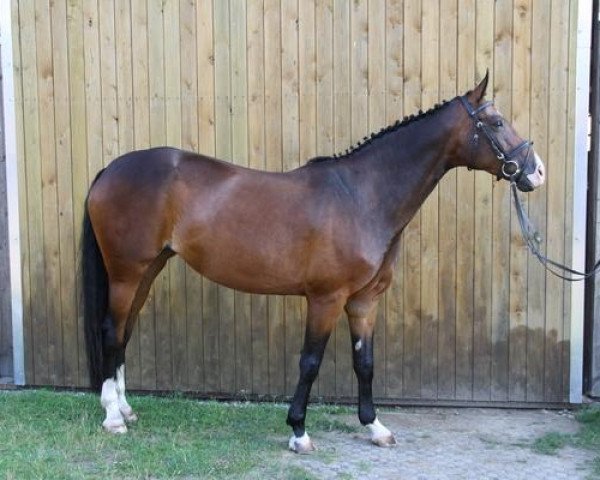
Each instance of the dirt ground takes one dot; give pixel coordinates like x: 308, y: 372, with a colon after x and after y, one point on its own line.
x: 447, y: 443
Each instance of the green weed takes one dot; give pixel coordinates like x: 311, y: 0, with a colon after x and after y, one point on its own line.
x: 587, y: 437
x: 550, y: 443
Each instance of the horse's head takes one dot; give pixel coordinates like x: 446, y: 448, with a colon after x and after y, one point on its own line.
x: 493, y: 145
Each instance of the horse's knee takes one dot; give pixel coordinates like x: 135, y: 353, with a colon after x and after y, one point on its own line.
x: 309, y: 366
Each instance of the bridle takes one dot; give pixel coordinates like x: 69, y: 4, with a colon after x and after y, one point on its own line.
x: 511, y: 170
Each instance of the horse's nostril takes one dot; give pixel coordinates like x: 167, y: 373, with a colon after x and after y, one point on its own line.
x: 540, y: 171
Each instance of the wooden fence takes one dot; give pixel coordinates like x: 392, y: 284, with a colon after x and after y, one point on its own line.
x: 268, y: 84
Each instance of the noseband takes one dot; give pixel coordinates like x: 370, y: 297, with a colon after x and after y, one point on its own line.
x: 511, y: 170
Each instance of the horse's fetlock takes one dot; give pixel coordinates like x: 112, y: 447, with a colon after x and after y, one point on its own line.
x: 295, y: 418
x: 366, y: 416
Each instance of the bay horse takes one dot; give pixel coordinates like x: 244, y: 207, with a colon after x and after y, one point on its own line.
x: 328, y: 230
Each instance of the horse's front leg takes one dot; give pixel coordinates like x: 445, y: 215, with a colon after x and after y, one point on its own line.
x: 321, y: 317
x: 361, y: 318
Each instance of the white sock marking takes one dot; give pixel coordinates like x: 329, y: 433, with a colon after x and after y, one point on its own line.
x: 302, y: 443
x: 378, y: 430
x: 109, y: 399
x: 358, y: 345
x: 124, y: 407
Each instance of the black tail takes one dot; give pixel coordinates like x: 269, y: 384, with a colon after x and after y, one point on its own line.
x: 95, y: 297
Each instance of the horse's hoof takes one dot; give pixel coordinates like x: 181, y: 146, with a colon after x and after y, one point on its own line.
x: 130, y: 416
x: 385, y: 441
x: 380, y: 435
x: 301, y: 444
x: 115, y: 428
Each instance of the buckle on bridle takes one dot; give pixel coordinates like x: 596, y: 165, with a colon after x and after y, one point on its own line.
x: 513, y: 166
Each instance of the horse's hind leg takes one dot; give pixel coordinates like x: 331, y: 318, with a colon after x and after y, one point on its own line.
x: 112, y: 398
x: 361, y: 318
x: 126, y: 297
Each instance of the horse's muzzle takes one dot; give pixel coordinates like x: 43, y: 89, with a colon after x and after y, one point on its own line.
x: 534, y: 177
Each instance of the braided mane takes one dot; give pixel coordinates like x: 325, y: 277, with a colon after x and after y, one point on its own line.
x: 380, y: 134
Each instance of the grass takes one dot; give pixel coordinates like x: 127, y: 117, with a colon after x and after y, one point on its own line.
x: 58, y: 435
x: 587, y: 437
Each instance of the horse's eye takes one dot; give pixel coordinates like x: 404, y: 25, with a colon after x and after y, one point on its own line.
x: 498, y: 124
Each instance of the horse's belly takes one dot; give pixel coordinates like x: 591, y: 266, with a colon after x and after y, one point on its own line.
x: 253, y: 271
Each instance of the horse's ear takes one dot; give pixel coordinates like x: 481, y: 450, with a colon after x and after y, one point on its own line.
x: 480, y: 89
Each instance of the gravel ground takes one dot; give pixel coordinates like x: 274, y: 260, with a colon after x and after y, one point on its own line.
x: 436, y: 443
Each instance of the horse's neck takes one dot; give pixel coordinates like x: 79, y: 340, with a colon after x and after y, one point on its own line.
x: 403, y: 170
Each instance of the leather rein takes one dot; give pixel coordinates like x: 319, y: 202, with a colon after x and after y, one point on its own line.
x: 512, y: 171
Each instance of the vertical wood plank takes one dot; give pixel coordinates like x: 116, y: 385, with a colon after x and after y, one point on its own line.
x: 142, y: 105
x: 307, y: 109
x: 325, y: 141
x: 20, y: 127
x: 555, y: 186
x: 93, y: 90
x: 223, y: 108
x: 429, y: 212
x: 446, y: 345
x: 412, y: 233
x: 483, y: 217
x: 156, y: 86
x: 273, y: 151
x: 6, y: 343
x: 108, y: 76
x: 536, y: 276
x: 53, y: 327
x: 569, y: 186
x: 501, y: 238
x: 125, y: 124
x: 189, y: 141
x: 66, y: 240
x: 207, y: 145
x: 48, y: 143
x: 464, y: 217
x: 338, y: 344
x: 77, y: 113
x: 520, y: 97
x: 376, y: 25
x: 239, y: 148
x: 256, y: 159
x: 176, y: 266
x: 394, y: 298
x: 358, y: 76
x: 290, y: 159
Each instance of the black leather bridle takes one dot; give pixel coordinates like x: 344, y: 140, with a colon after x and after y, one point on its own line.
x: 511, y: 169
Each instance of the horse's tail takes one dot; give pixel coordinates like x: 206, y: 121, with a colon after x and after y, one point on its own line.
x: 95, y: 297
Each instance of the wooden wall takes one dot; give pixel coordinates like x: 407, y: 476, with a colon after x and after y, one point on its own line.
x: 269, y: 84
x: 6, y: 352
